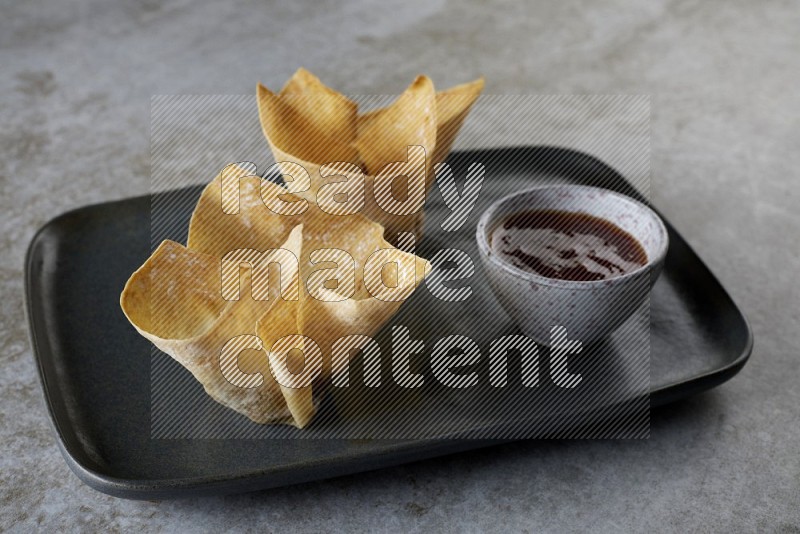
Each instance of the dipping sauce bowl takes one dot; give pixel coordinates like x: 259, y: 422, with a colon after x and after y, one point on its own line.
x: 588, y: 309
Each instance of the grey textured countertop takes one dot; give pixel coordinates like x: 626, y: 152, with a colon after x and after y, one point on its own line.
x: 724, y: 77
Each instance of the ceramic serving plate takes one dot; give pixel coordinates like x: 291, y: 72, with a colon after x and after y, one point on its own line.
x: 96, y: 370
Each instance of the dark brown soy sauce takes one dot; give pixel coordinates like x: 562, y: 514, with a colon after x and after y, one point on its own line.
x: 566, y: 245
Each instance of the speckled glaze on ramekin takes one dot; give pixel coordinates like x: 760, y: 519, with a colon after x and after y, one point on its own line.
x: 588, y: 310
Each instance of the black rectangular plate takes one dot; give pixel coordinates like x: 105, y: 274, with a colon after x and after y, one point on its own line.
x: 95, y: 369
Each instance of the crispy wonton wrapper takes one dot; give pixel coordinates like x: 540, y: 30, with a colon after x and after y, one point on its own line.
x: 311, y: 125
x: 176, y: 298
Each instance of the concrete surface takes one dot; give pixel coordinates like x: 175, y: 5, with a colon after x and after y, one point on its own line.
x: 76, y: 82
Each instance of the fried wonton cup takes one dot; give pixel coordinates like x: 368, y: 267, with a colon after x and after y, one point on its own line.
x: 311, y: 125
x: 204, y: 305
